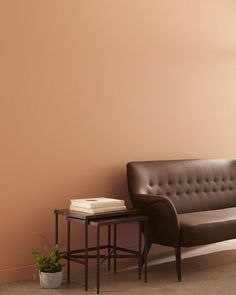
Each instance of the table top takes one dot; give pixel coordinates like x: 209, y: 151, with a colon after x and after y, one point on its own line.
x: 88, y: 216
x: 118, y: 220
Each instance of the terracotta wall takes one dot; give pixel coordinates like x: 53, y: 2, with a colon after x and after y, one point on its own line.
x: 86, y: 86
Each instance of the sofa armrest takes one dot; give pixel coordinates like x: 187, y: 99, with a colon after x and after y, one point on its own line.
x: 164, y: 227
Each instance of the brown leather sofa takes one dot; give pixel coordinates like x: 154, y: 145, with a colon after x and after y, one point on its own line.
x: 189, y: 202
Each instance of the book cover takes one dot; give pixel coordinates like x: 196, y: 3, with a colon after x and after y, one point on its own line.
x: 97, y: 210
x: 100, y: 202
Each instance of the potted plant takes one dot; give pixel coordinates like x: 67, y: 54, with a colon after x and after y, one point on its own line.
x: 49, y: 267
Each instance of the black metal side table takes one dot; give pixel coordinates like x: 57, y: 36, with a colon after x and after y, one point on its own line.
x: 111, y: 220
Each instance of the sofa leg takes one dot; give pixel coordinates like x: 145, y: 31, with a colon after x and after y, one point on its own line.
x: 178, y: 263
x: 146, y: 251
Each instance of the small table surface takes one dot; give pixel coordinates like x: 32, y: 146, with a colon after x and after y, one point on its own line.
x: 88, y: 216
x: 118, y: 220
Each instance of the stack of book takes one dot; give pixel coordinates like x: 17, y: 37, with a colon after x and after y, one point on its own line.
x: 97, y: 205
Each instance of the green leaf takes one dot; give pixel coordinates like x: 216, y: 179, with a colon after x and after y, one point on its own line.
x: 49, y: 263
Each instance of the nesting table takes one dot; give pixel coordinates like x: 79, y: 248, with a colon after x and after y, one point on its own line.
x: 112, y: 251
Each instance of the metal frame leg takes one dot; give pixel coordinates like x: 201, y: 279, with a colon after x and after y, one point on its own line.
x: 139, y: 250
x: 98, y: 259
x: 56, y: 229
x: 178, y: 263
x: 68, y: 251
x: 115, y: 229
x: 109, y: 247
x: 146, y: 249
x: 86, y: 255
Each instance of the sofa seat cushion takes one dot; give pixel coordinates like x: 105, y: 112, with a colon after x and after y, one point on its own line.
x: 200, y: 228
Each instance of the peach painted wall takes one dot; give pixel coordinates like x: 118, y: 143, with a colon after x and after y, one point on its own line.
x: 86, y: 86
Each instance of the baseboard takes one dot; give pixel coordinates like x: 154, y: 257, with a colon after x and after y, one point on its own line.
x: 15, y: 274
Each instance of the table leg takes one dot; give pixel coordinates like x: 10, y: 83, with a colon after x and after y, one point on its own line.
x: 68, y: 251
x: 56, y: 229
x: 146, y: 250
x: 115, y: 248
x: 109, y: 247
x: 86, y: 255
x: 98, y: 259
x: 139, y: 250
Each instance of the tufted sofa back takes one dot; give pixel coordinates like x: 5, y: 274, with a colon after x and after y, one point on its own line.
x: 192, y: 185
